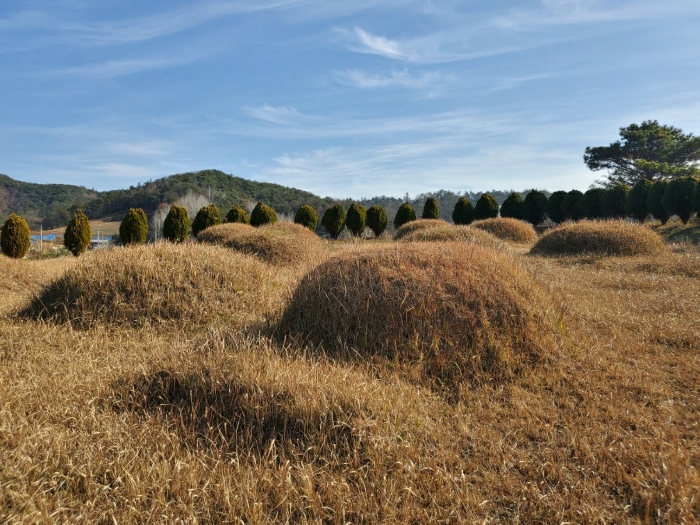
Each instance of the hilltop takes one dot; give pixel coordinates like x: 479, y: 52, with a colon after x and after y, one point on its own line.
x: 53, y: 203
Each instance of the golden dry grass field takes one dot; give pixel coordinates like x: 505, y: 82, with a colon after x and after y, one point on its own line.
x: 205, y: 403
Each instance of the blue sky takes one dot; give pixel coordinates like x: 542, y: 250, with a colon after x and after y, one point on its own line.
x: 347, y: 98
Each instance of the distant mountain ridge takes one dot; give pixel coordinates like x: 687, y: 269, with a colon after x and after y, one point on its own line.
x: 53, y: 204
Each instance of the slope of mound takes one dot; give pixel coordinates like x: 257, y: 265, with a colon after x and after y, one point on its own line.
x: 508, y: 229
x: 419, y: 225
x: 280, y: 243
x: 460, y: 310
x: 20, y: 279
x: 186, y: 285
x: 599, y: 237
x: 456, y: 233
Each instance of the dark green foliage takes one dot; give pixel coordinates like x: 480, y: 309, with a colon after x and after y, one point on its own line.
x: 404, y: 214
x: 237, y: 214
x: 535, y: 206
x: 463, y: 212
x: 306, y: 216
x: 654, y: 206
x: 486, y: 207
x: 333, y: 220
x: 636, y: 205
x: 614, y: 200
x: 206, y: 217
x: 590, y: 204
x: 431, y: 210
x: 677, y: 199
x: 647, y: 151
x: 177, y: 224
x: 513, y: 207
x: 262, y: 214
x: 572, y: 205
x: 356, y: 219
x: 78, y: 235
x: 134, y: 227
x: 14, y: 237
x: 377, y: 219
x: 555, y: 206
x: 696, y: 199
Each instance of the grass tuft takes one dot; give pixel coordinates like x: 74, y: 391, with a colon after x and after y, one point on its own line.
x: 600, y: 238
x: 282, y: 243
x: 508, y: 229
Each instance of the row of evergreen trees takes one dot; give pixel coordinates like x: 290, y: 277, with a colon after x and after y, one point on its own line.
x: 662, y: 199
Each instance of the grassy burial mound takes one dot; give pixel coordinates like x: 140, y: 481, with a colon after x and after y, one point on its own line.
x: 419, y: 225
x: 183, y: 286
x: 463, y: 312
x: 599, y: 238
x: 450, y: 233
x: 508, y: 229
x: 21, y: 279
x: 280, y: 243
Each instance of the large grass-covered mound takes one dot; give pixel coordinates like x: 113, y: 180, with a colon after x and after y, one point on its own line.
x: 599, y: 238
x: 185, y: 286
x: 418, y: 225
x: 508, y: 229
x: 450, y: 232
x: 460, y: 310
x: 279, y: 243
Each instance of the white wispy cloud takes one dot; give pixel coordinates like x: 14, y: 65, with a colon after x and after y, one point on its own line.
x: 277, y: 114
x: 379, y: 45
x: 403, y: 78
x: 116, y: 68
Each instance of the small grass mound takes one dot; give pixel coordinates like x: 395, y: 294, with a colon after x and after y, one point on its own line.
x: 448, y: 233
x: 508, y: 229
x: 185, y: 286
x: 419, y: 225
x: 462, y: 312
x: 279, y: 243
x: 599, y: 238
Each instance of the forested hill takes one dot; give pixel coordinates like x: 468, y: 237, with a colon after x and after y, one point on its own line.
x: 54, y: 203
x: 34, y: 202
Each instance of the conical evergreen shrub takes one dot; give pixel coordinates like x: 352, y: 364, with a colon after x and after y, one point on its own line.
x: 555, y: 206
x: 78, y: 235
x: 677, y: 197
x: 333, y: 220
x: 590, y: 204
x: 377, y: 219
x: 15, y: 239
x: 177, y: 224
x: 404, y: 214
x: 572, y: 205
x: 237, y: 214
x: 535, y: 207
x: 306, y: 216
x: 463, y: 212
x: 636, y: 205
x: 696, y: 198
x: 134, y: 227
x: 513, y: 207
x: 486, y: 207
x: 262, y: 214
x: 654, y: 205
x: 356, y: 219
x: 614, y: 201
x: 206, y: 217
x: 431, y: 209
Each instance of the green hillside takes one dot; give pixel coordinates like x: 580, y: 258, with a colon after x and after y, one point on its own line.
x: 34, y: 202
x: 54, y: 202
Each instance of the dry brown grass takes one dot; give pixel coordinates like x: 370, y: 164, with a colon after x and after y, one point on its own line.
x: 281, y: 243
x: 188, y: 286
x: 216, y: 426
x: 508, y: 229
x: 451, y: 233
x: 599, y: 237
x: 461, y: 311
x: 418, y: 225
